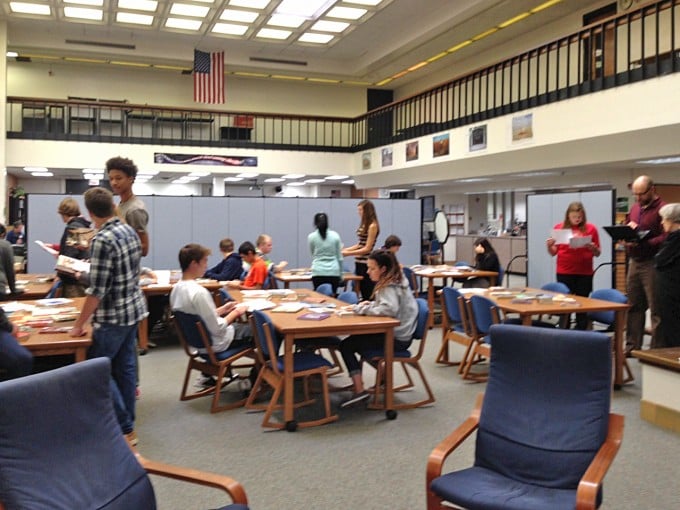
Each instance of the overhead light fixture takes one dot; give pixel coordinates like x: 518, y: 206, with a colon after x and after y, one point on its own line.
x: 233, y: 179
x: 661, y: 161
x: 285, y: 20
x: 83, y: 13
x: 314, y: 181
x: 42, y: 174
x: 240, y: 16
x: 348, y: 181
x: 517, y: 18
x: 310, y: 9
x: 252, y: 4
x: 135, y: 19
x: 247, y: 175
x: 293, y: 176
x: 371, y: 3
x: 199, y: 173
x: 330, y: 26
x: 271, y: 33
x: 11, y: 54
x: 28, y: 8
x: 346, y: 13
x: 229, y: 29
x: 138, y: 5
x: 195, y: 11
x: 35, y: 169
x: 296, y: 183
x: 545, y: 5
x: 274, y: 179
x: 309, y: 37
x: 459, y: 46
x: 96, y: 3
x: 184, y: 24
x: 336, y: 177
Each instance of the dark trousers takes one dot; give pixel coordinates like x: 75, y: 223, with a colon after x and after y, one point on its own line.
x: 356, y: 344
x: 581, y: 285
x: 367, y: 285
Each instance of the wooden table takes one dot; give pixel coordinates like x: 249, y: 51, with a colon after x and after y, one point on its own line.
x: 51, y: 344
x: 36, y: 286
x: 577, y: 304
x: 293, y: 329
x: 157, y: 289
x: 455, y: 273
x: 304, y: 275
x: 660, y: 402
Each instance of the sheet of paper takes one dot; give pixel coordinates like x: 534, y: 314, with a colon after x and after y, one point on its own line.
x: 579, y: 242
x: 561, y: 235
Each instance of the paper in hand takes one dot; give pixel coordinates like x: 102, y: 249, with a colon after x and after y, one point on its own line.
x: 580, y: 242
x: 561, y: 235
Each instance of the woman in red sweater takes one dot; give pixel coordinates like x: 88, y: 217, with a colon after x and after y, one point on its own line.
x: 575, y: 259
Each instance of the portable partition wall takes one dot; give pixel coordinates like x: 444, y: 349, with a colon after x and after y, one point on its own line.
x: 176, y: 221
x: 544, y: 211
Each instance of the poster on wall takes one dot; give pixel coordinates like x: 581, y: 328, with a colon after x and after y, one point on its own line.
x: 387, y: 156
x: 203, y: 159
x: 440, y: 145
x: 366, y: 161
x: 478, y: 138
x: 412, y: 151
x: 523, y: 127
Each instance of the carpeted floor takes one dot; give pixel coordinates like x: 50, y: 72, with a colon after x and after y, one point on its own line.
x: 362, y: 461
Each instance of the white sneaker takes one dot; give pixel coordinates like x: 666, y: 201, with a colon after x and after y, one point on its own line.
x: 204, y: 381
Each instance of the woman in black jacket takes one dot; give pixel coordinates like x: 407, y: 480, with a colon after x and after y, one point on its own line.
x: 74, y: 243
x: 486, y: 259
x: 667, y: 263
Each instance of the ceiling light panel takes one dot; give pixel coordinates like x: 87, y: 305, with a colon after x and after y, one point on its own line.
x: 135, y: 19
x: 29, y: 8
x: 240, y: 16
x: 94, y: 3
x: 83, y: 13
x: 138, y: 5
x: 330, y: 26
x: 229, y: 29
x: 195, y: 11
x: 270, y: 33
x: 313, y: 38
x: 346, y: 13
x: 310, y: 9
x: 371, y: 3
x: 252, y: 4
x: 285, y: 20
x: 184, y: 24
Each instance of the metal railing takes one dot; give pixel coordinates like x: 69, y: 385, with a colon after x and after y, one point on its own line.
x: 620, y: 50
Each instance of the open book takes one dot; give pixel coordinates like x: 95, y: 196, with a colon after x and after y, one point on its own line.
x: 71, y: 266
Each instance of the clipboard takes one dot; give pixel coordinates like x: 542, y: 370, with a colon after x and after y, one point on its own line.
x: 625, y: 233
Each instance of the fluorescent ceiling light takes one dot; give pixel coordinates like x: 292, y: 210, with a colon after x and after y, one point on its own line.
x: 274, y: 179
x: 185, y: 24
x: 233, y: 179
x: 310, y: 9
x: 293, y: 176
x: 229, y: 29
x: 200, y: 173
x: 372, y: 3
x: 26, y: 8
x: 179, y: 181
x: 330, y: 26
x: 138, y: 5
x: 545, y: 5
x: 242, y: 16
x: 346, y: 13
x: 247, y: 175
x: 314, y: 181
x: 42, y: 174
x: 12, y: 54
x: 93, y: 177
x: 316, y: 38
x: 145, y: 176
x: 336, y: 177
x: 285, y: 20
x: 661, y: 161
x: 97, y: 3
x: 136, y: 19
x: 474, y: 179
x: 252, y: 4
x: 270, y: 33
x: 82, y: 13
x: 348, y: 181
x: 35, y: 169
x: 195, y: 11
x: 427, y: 184
x: 297, y: 183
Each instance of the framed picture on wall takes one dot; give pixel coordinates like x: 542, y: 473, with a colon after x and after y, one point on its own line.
x: 387, y: 156
x: 366, y: 161
x: 412, y: 151
x: 478, y: 138
x: 440, y: 145
x: 523, y: 127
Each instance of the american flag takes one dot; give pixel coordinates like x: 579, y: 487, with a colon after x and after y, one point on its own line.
x: 208, y: 77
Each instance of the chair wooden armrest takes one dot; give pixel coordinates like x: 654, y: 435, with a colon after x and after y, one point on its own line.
x: 435, y: 461
x: 586, y: 493
x: 227, y: 484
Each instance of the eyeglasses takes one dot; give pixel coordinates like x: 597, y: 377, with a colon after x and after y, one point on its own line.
x: 643, y: 193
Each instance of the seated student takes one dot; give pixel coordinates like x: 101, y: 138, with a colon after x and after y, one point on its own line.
x: 392, y: 297
x: 15, y: 359
x: 189, y: 296
x: 486, y: 259
x: 7, y: 276
x: 264, y: 248
x: 17, y: 235
x: 392, y: 243
x: 258, y: 272
x: 229, y: 267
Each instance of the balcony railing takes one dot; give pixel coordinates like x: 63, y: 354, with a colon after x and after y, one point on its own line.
x: 620, y: 50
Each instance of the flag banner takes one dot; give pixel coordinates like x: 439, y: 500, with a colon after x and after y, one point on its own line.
x: 208, y: 77
x: 203, y: 159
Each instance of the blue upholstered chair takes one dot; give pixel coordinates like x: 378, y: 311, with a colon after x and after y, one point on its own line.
x: 62, y: 447
x: 377, y: 358
x: 349, y: 297
x: 481, y: 315
x: 607, y: 319
x: 544, y: 434
x: 195, y: 340
x: 414, y: 282
x: 326, y: 289
x: 453, y: 325
x: 306, y: 363
x: 557, y: 288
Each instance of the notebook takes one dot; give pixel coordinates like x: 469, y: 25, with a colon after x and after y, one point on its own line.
x: 625, y: 233
x: 314, y: 316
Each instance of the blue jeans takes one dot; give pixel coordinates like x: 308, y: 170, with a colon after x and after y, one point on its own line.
x: 118, y: 343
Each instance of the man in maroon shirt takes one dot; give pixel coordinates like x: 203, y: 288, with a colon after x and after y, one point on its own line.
x: 644, y: 215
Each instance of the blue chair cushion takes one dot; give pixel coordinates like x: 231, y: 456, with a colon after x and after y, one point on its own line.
x: 220, y: 356
x: 485, y: 489
x: 40, y: 466
x: 305, y: 360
